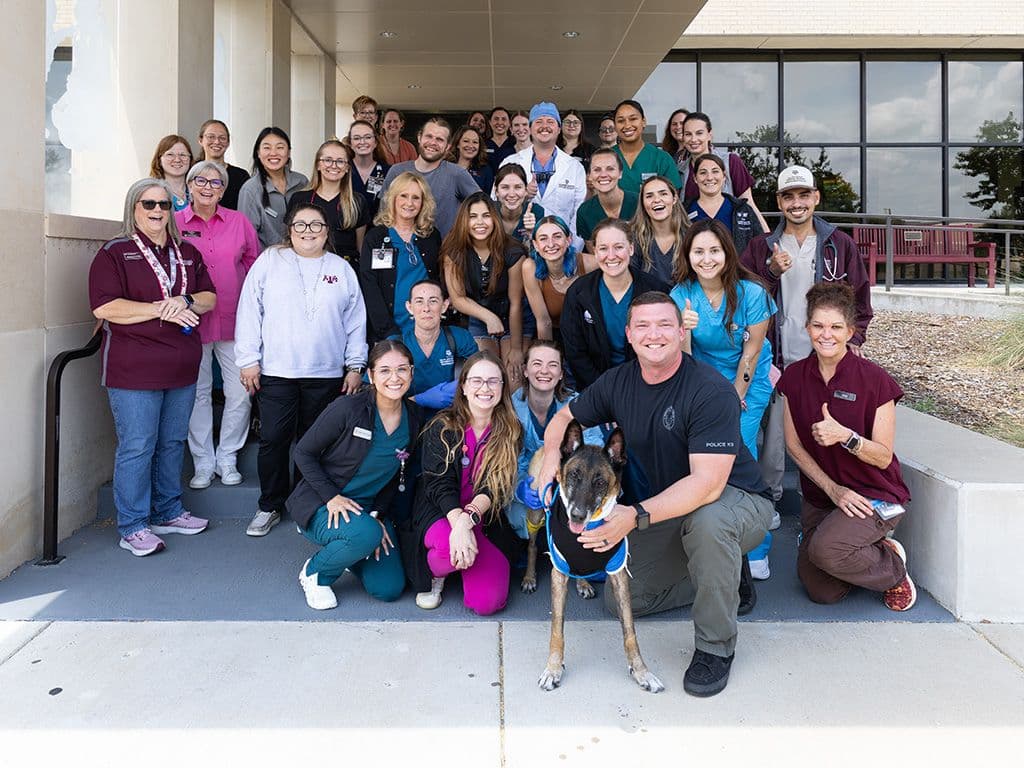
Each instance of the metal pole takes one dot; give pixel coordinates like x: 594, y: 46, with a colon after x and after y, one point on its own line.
x: 888, y: 254
x: 1006, y: 261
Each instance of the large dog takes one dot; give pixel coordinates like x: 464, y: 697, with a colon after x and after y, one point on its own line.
x: 589, y: 481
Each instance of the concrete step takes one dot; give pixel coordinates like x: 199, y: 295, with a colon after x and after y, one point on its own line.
x: 219, y: 501
x: 246, y: 461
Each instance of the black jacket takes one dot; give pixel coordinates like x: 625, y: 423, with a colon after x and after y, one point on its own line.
x: 437, y: 493
x: 378, y: 285
x: 330, y: 454
x: 586, y: 340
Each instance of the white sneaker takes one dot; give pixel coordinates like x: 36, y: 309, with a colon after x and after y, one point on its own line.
x: 428, y: 601
x: 318, y: 597
x: 201, y: 479
x: 229, y: 474
x: 262, y: 523
x: 776, y: 521
x: 759, y: 569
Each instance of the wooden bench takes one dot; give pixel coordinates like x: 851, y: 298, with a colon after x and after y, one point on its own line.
x: 954, y: 244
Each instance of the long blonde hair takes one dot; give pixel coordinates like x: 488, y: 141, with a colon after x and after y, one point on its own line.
x: 500, y: 465
x: 348, y: 208
x: 424, y: 220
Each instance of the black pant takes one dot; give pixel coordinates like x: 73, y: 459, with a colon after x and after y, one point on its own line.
x: 288, y: 407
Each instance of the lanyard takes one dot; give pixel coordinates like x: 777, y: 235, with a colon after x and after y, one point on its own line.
x: 174, y: 259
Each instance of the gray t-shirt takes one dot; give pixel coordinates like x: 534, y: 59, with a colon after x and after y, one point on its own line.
x: 795, y: 282
x: 449, y: 183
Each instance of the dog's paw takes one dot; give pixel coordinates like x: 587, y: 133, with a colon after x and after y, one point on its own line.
x: 529, y: 585
x: 585, y: 589
x: 551, y: 678
x: 647, y: 680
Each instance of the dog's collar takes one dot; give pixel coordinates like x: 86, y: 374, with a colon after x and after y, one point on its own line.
x: 594, y: 521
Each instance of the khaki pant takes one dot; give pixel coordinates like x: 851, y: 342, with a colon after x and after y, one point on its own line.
x: 696, y: 560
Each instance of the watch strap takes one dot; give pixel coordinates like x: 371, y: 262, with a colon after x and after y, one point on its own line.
x: 643, y: 517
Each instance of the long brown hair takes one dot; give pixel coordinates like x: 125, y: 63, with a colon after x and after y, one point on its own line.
x: 643, y: 227
x: 459, y: 243
x: 668, y: 141
x: 481, y: 154
x: 732, y: 270
x: 156, y: 171
x: 348, y: 208
x: 500, y: 465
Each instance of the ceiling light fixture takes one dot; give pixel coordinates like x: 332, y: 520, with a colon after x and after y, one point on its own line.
x: 571, y: 34
x: 557, y: 87
x: 387, y: 34
x: 413, y: 86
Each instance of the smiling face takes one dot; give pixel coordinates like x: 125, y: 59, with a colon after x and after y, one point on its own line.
x: 675, y: 126
x: 707, y: 256
x: 629, y: 124
x: 551, y: 242
x: 274, y: 153
x: 710, y: 178
x: 332, y: 162
x: 482, y: 387
x: 696, y: 136
x: 153, y: 224
x: 426, y: 304
x: 656, y: 334
x: 215, y: 142
x: 829, y: 332
x: 308, y: 243
x: 613, y: 250
x: 572, y: 127
x: 391, y: 375
x: 392, y: 125
x: 544, y: 130
x: 499, y: 122
x: 433, y: 142
x: 658, y: 199
x: 543, y: 369
x: 408, y: 203
x: 207, y: 193
x: 511, y: 191
x: 604, y: 172
x: 478, y: 120
x: 469, y: 145
x: 481, y: 222
x: 797, y: 205
x: 362, y: 140
x: 521, y: 128
x: 175, y: 161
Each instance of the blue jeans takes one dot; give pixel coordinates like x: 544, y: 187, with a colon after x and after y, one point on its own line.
x: 152, y: 426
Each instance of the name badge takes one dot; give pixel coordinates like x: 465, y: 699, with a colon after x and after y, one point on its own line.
x: 382, y: 258
x: 188, y: 262
x: 270, y: 212
x: 645, y: 176
x: 190, y: 233
x: 133, y: 257
x: 364, y: 434
x: 850, y: 397
x: 374, y: 185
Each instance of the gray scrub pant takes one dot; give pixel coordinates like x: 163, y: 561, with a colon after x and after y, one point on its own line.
x: 696, y: 560
x: 772, y: 457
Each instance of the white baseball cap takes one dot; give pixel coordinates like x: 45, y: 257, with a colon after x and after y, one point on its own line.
x: 796, y: 177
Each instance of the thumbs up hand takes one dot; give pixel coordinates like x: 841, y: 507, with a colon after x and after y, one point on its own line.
x: 780, y: 261
x: 690, y: 317
x: 828, y: 431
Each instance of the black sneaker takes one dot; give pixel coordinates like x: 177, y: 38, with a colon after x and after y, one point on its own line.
x: 748, y: 594
x: 707, y: 674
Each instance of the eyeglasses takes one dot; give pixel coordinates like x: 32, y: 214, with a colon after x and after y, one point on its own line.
x: 149, y: 205
x: 367, y: 137
x: 176, y: 155
x: 609, y: 129
x: 366, y: 113
x: 477, y: 382
x: 402, y: 372
x: 202, y: 181
x: 337, y: 162
x: 573, y: 123
x: 215, y: 139
x: 316, y: 227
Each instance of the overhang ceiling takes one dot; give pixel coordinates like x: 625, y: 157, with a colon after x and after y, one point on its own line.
x: 473, y: 54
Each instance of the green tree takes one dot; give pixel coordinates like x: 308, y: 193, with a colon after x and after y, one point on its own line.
x: 999, y: 171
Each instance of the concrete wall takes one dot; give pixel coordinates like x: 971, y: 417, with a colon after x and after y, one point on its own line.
x: 965, y: 523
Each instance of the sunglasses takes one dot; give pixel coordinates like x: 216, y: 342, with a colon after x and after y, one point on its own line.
x: 149, y: 205
x: 543, y: 177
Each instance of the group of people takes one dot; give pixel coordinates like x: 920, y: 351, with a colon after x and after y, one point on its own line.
x: 419, y: 321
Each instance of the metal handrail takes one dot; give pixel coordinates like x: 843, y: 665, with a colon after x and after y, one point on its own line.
x: 51, y: 469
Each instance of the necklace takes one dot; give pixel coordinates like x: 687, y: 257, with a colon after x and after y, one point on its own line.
x: 714, y: 298
x: 308, y: 306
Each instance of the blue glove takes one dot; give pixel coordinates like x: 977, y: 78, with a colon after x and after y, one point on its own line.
x: 527, y: 495
x: 438, y: 396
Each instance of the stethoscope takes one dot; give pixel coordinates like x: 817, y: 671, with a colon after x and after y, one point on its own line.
x: 829, y: 272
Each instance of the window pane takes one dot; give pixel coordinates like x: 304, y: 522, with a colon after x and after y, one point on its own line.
x: 984, y: 99
x: 904, y: 101
x: 741, y: 98
x: 837, y: 171
x: 986, y: 182
x: 822, y: 101
x: 763, y: 164
x: 671, y: 86
x: 905, y: 181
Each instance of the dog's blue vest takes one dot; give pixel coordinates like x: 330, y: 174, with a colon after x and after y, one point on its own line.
x: 570, y: 557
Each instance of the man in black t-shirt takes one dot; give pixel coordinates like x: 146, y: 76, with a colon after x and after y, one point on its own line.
x: 701, y: 501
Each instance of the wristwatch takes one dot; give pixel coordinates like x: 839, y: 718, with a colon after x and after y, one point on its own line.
x: 473, y: 515
x: 853, y: 442
x: 360, y: 369
x: 189, y: 301
x: 643, y: 517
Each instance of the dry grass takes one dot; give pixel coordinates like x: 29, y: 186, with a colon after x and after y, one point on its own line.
x: 1007, y: 349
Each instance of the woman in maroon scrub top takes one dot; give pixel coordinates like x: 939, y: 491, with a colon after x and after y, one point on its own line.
x: 840, y: 421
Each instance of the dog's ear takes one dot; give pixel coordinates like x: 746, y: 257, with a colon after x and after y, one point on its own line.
x: 615, y: 447
x: 572, y: 439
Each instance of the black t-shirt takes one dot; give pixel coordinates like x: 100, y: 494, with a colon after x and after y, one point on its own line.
x: 695, y: 411
x: 343, y: 240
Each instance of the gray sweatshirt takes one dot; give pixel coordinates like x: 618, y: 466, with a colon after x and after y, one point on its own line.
x: 300, y: 318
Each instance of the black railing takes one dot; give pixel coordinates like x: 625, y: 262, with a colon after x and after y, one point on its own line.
x: 51, y: 470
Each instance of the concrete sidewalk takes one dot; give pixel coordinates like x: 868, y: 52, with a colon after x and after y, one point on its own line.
x: 465, y: 694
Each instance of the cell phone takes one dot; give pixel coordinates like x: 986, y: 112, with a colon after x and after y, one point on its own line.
x: 886, y: 510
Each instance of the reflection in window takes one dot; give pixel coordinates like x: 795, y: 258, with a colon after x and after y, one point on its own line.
x: 671, y: 86
x: 822, y: 100
x: 763, y: 164
x: 986, y: 182
x: 837, y: 171
x: 984, y: 97
x: 904, y: 101
x: 740, y: 96
x: 904, y: 181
